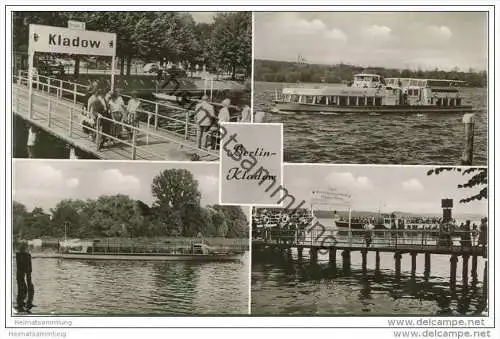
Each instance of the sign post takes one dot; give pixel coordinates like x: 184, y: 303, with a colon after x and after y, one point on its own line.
x: 73, y: 40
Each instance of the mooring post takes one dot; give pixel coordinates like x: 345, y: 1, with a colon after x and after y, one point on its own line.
x: 377, y: 261
x: 332, y: 256
x: 346, y: 259
x: 413, y: 262
x: 453, y: 270
x: 300, y: 249
x: 313, y: 252
x: 468, y: 120
x: 397, y: 262
x: 465, y: 269
x: 364, y: 253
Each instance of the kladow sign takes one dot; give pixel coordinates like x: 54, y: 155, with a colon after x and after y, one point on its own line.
x: 63, y: 40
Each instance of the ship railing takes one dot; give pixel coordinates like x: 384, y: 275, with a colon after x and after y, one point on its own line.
x: 161, y: 116
x: 159, y: 247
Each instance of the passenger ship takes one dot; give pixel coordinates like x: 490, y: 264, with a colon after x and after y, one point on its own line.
x: 93, y: 250
x: 371, y: 94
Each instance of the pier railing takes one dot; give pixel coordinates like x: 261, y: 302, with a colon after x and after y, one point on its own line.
x: 52, y: 94
x: 396, y: 239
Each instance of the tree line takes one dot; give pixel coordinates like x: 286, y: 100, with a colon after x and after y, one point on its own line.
x: 284, y: 71
x: 176, y: 211
x: 223, y: 45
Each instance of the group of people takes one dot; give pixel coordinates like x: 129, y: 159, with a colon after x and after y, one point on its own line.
x: 108, y: 114
x: 208, y: 121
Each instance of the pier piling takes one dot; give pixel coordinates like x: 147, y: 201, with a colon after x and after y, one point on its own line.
x: 465, y: 269
x: 413, y: 262
x: 427, y: 265
x: 453, y: 270
x: 474, y: 268
x: 332, y: 256
x: 346, y: 259
x: 300, y: 249
x: 467, y: 155
x: 397, y: 262
x: 377, y: 260
x: 313, y: 255
x: 363, y: 258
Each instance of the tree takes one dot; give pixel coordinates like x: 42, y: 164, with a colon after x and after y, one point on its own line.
x: 237, y: 223
x: 478, y: 177
x: 232, y: 41
x: 20, y: 217
x: 175, y: 188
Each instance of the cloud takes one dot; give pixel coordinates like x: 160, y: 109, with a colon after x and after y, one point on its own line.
x: 114, y: 181
x: 376, y: 31
x: 412, y: 185
x: 72, y: 183
x: 290, y: 25
x: 440, y: 32
x: 348, y: 180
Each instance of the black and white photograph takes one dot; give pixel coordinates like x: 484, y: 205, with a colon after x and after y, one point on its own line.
x: 374, y: 87
x: 373, y: 241
x: 128, y: 85
x: 126, y: 238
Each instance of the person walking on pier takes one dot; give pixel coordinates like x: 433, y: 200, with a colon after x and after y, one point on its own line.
x: 132, y: 114
x: 368, y: 236
x: 245, y: 114
x: 483, y: 233
x: 117, y: 109
x: 25, y: 287
x: 466, y: 236
x: 204, y: 117
x: 30, y: 145
x: 101, y: 114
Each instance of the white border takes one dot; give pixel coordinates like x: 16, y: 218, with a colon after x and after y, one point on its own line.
x: 355, y: 324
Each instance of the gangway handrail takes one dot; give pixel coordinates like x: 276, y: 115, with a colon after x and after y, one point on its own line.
x: 80, y: 109
x: 188, y: 113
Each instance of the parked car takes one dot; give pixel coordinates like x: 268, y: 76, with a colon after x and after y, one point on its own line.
x: 151, y: 68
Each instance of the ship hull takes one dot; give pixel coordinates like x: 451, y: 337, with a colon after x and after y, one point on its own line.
x: 295, y: 107
x: 357, y: 226
x: 140, y: 257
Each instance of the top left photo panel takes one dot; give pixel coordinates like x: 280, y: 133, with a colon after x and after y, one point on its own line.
x: 128, y: 85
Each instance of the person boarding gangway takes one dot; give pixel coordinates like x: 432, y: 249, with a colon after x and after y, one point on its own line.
x: 204, y: 117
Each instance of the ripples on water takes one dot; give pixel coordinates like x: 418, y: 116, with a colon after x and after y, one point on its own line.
x: 284, y: 287
x: 385, y: 139
x: 140, y: 288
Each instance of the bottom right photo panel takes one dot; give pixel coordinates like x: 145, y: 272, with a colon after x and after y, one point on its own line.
x: 373, y: 240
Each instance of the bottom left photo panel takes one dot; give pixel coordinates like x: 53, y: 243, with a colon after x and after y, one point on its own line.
x: 126, y: 238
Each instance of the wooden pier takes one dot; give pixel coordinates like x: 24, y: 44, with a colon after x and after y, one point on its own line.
x: 55, y: 108
x: 400, y: 242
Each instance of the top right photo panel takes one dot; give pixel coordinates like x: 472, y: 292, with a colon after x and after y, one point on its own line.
x: 404, y: 88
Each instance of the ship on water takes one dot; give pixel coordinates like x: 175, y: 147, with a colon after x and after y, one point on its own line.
x: 95, y: 250
x: 370, y: 93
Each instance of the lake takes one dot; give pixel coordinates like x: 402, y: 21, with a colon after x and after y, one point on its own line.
x: 112, y: 287
x: 426, y: 139
x: 287, y: 287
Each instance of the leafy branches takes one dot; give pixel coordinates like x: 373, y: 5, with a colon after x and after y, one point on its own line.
x: 477, y: 177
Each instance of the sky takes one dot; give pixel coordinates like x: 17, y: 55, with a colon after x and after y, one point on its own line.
x: 389, y: 39
x: 43, y: 183
x: 388, y: 188
x: 206, y: 17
